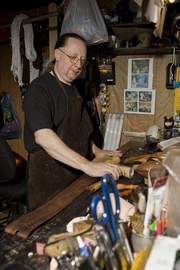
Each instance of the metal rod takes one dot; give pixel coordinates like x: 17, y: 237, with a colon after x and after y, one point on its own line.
x: 34, y: 19
x: 39, y: 18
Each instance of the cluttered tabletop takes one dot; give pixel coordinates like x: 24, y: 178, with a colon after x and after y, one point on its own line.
x: 130, y: 223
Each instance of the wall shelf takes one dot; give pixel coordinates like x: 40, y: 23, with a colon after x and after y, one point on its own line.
x: 140, y: 51
x: 126, y: 31
x: 134, y: 24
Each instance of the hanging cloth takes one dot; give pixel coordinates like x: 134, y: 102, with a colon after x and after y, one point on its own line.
x: 17, y: 65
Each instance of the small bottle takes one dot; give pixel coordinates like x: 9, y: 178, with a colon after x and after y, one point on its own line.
x: 82, y: 247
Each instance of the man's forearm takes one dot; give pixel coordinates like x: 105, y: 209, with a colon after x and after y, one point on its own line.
x: 58, y: 150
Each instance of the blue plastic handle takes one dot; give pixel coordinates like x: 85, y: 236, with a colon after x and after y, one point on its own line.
x: 108, y: 218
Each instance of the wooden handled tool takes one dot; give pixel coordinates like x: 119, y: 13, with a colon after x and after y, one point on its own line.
x: 96, y: 186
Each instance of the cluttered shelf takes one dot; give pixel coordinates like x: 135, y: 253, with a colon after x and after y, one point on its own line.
x: 142, y: 24
x: 138, y: 38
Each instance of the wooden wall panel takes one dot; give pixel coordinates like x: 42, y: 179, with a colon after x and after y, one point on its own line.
x: 164, y: 97
x: 52, y: 8
x: 7, y: 83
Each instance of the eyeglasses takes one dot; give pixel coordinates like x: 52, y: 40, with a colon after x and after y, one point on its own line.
x: 74, y: 59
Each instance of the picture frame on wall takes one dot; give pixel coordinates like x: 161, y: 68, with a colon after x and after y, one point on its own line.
x: 141, y: 101
x: 140, y: 73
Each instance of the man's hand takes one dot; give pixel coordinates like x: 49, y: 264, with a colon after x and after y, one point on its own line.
x: 98, y: 169
x: 101, y: 154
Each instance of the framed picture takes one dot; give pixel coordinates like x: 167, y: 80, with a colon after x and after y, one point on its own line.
x: 140, y: 73
x: 139, y: 101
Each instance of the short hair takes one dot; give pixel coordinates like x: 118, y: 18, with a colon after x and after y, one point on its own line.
x: 62, y: 40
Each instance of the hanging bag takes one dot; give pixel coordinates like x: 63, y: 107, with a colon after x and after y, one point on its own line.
x: 11, y: 126
x: 84, y: 18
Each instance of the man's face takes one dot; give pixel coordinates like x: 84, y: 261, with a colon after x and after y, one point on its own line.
x: 70, y: 59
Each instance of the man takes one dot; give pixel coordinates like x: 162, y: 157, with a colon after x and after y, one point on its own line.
x: 57, y: 127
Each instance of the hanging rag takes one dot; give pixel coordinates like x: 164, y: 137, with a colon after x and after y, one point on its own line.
x: 30, y: 53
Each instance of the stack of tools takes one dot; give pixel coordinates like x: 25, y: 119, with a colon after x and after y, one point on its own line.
x: 114, y: 248
x: 103, y: 240
x: 100, y: 243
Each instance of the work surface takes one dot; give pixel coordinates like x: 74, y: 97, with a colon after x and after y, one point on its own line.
x: 13, y: 248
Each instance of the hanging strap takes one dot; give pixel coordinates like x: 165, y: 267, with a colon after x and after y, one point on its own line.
x: 62, y: 87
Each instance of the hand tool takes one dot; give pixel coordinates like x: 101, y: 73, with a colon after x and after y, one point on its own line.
x: 110, y: 257
x: 108, y: 218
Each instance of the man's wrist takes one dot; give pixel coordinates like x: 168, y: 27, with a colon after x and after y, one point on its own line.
x: 83, y: 164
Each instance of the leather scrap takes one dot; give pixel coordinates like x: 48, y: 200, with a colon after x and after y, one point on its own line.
x: 145, y: 167
x: 63, y: 241
x: 26, y: 224
x: 137, y: 159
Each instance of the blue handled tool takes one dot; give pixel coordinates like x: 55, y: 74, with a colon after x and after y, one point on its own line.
x: 108, y: 218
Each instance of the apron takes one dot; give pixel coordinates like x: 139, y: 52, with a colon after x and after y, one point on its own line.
x: 48, y: 176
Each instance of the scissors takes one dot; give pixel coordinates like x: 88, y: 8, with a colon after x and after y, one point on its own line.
x: 108, y: 218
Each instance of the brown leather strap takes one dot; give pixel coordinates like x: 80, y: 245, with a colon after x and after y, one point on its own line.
x: 26, y: 224
x: 61, y: 87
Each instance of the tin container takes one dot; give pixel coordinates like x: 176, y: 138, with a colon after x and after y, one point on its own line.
x: 140, y: 241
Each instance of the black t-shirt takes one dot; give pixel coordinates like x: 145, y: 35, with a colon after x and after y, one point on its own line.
x: 45, y: 106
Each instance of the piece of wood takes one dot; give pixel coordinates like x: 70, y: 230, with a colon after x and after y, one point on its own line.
x: 96, y: 186
x: 126, y: 193
x: 126, y: 187
x: 123, y: 169
x: 26, y: 224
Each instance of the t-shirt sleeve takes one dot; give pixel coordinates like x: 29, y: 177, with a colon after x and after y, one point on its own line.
x: 38, y: 108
